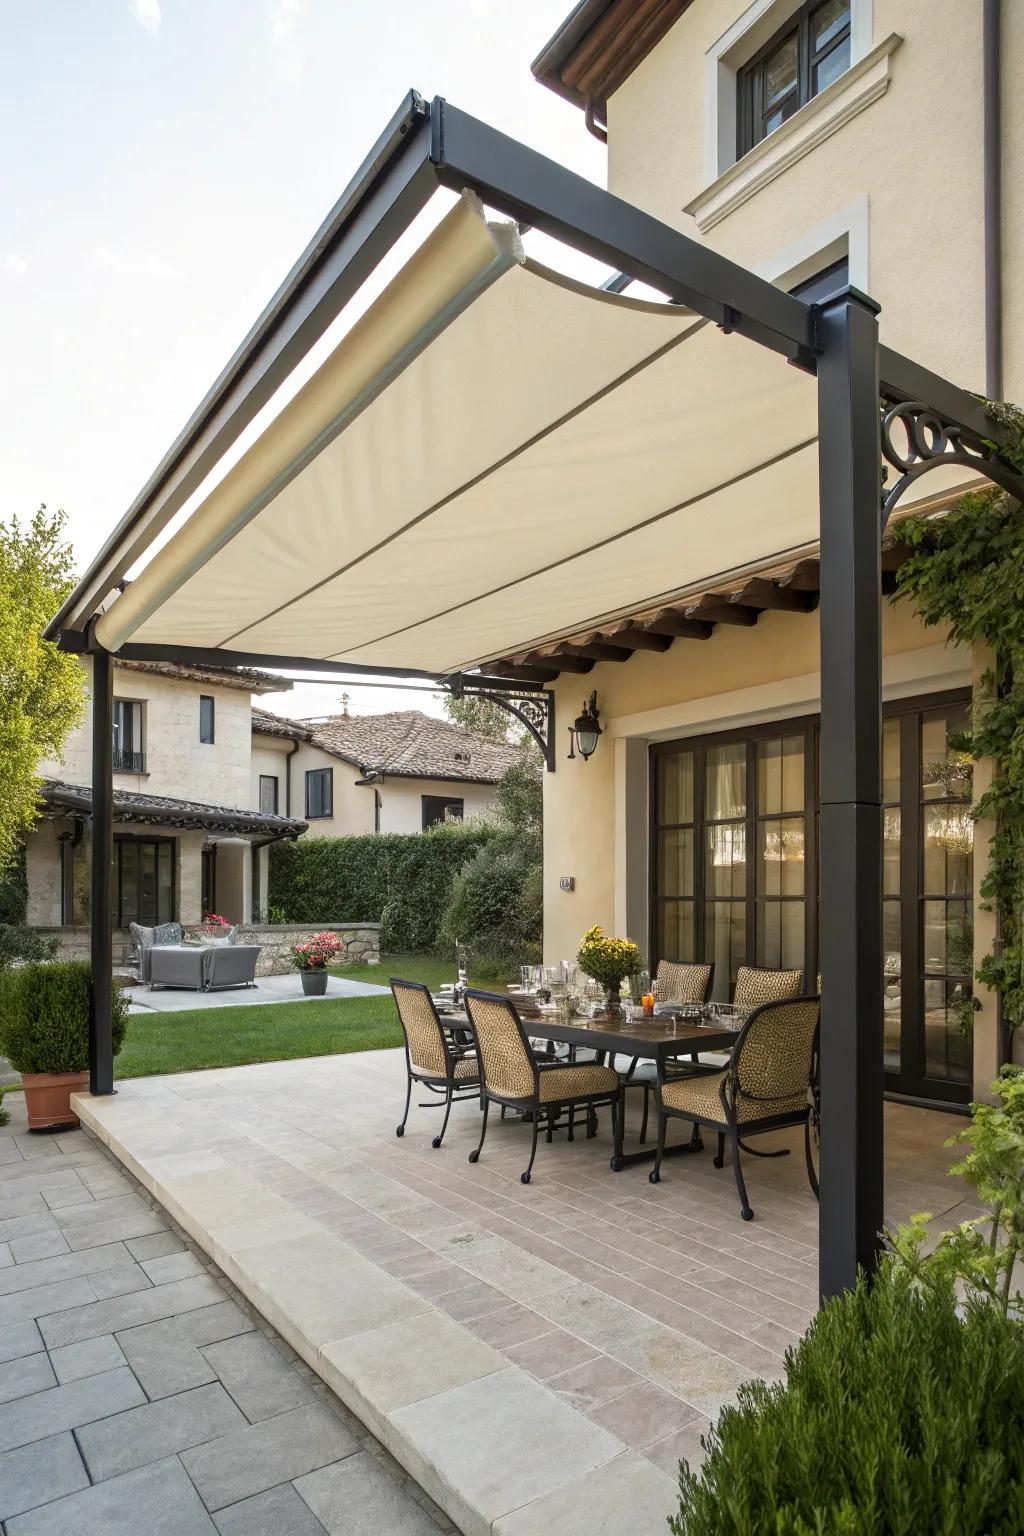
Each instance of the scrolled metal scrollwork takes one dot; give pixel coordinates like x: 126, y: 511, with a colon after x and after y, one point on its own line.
x: 534, y: 711
x: 934, y: 442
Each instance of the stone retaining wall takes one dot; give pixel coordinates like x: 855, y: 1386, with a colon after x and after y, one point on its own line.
x: 361, y: 943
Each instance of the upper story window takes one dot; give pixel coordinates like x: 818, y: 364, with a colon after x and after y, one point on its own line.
x: 206, y: 718
x: 319, y: 793
x: 268, y: 794
x: 129, y: 749
x: 807, y: 54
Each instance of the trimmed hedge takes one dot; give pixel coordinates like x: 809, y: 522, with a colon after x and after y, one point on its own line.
x: 44, y: 1016
x: 403, y: 881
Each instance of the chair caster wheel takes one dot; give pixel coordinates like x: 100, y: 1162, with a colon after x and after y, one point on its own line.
x: 719, y: 1162
x: 524, y: 1178
x: 474, y: 1157
x: 654, y: 1177
x: 747, y: 1214
x: 436, y: 1141
x: 616, y: 1165
x: 399, y: 1130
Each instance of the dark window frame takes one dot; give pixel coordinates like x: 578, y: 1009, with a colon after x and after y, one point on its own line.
x: 270, y: 778
x: 322, y: 776
x: 207, y: 699
x: 118, y: 908
x: 129, y: 755
x: 750, y: 109
x: 208, y: 879
x: 447, y: 803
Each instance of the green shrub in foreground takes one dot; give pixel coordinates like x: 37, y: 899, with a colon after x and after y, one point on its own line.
x: 898, y: 1417
x: 44, y: 1016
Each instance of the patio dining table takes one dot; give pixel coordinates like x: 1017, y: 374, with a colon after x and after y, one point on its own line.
x: 651, y: 1039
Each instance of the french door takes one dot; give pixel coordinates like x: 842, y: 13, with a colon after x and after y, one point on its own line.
x: 143, y: 881
x: 734, y: 875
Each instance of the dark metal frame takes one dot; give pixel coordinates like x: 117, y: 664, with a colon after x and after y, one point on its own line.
x: 539, y: 1112
x: 749, y: 1127
x: 424, y: 147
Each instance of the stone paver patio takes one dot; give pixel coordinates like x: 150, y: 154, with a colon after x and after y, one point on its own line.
x: 268, y: 989
x: 140, y: 1395
x: 537, y: 1357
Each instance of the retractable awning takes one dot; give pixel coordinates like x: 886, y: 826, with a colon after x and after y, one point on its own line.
x: 494, y: 453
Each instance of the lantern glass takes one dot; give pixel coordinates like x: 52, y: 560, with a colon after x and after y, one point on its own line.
x: 587, y: 733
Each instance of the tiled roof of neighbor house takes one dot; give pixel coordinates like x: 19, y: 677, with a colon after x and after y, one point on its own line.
x: 244, y: 678
x: 409, y: 744
x: 162, y: 810
x: 267, y: 724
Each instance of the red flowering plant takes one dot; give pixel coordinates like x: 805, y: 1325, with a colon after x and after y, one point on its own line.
x: 316, y: 953
x: 212, y: 920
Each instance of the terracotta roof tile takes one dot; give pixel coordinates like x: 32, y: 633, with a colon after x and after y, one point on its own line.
x: 410, y: 744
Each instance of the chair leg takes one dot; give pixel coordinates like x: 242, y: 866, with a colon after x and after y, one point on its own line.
x: 400, y: 1129
x: 474, y: 1156
x: 755, y: 1151
x: 615, y: 1107
x: 524, y: 1178
x: 741, y: 1188
x: 591, y: 1122
x: 719, y: 1158
x: 654, y: 1177
x: 444, y: 1123
x: 811, y: 1173
x: 643, y: 1122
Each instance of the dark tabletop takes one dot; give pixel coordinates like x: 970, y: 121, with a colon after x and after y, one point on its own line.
x: 649, y: 1038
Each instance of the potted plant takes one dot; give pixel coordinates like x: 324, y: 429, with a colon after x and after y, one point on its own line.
x: 608, y: 960
x: 311, y: 957
x: 44, y: 1032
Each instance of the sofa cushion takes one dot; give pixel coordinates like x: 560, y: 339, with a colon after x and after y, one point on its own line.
x: 165, y: 933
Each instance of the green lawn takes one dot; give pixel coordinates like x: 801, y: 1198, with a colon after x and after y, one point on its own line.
x: 232, y: 1037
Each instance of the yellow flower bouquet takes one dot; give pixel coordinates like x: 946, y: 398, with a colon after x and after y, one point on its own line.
x: 607, y: 959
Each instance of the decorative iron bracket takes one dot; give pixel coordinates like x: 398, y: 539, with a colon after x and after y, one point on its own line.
x: 535, y: 711
x: 934, y: 442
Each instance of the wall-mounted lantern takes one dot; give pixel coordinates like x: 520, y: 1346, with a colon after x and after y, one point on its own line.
x: 585, y: 730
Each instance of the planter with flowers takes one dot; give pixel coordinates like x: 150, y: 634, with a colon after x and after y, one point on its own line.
x: 311, y: 957
x: 608, y: 960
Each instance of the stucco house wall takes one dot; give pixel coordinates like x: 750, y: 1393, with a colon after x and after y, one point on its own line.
x: 400, y: 797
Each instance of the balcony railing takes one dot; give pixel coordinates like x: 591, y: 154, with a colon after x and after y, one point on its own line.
x: 129, y: 762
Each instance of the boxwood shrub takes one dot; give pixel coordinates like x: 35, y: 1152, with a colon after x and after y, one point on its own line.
x: 901, y: 1415
x: 403, y: 881
x: 44, y: 1016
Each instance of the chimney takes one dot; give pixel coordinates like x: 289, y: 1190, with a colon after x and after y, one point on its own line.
x: 344, y: 706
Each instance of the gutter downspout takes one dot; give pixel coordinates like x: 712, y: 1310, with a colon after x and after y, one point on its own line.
x: 296, y: 744
x: 993, y: 198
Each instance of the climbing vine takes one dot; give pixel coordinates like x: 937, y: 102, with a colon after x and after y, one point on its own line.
x: 966, y: 571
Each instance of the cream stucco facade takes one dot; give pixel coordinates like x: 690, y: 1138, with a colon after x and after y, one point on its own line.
x: 883, y: 170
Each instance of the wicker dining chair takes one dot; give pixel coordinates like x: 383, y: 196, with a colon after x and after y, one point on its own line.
x: 754, y: 987
x: 513, y: 1077
x: 768, y: 1084
x: 677, y: 982
x: 430, y: 1058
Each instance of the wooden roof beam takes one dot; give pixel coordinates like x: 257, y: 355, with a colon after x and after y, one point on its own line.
x: 672, y: 621
x: 639, y: 637
x: 520, y: 674
x: 564, y: 663
x: 759, y: 593
x: 593, y: 650
x: 719, y: 608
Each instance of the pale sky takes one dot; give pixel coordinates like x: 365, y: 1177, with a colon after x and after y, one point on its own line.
x: 164, y: 163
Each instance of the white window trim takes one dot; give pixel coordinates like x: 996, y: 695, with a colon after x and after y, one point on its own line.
x: 845, y: 233
x: 732, y: 181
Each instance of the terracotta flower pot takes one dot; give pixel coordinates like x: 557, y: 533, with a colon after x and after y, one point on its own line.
x: 48, y: 1098
x: 314, y: 983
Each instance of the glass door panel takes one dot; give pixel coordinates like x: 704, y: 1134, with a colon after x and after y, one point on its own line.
x: 946, y: 905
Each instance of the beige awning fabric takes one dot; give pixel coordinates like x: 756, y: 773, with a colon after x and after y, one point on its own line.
x: 493, y: 456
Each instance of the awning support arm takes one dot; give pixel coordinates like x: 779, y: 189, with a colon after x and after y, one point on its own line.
x: 852, y: 1072
x: 535, y: 711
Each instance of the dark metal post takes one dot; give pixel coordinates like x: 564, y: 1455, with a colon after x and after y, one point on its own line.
x: 852, y: 1168
x: 101, y: 1054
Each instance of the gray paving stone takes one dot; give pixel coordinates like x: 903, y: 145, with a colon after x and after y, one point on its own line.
x: 37, y: 1219
x: 258, y: 1457
x: 172, y: 1266
x: 20, y: 1339
x: 41, y: 1299
x: 258, y: 1378
x: 278, y: 1512
x: 67, y: 1407
x: 357, y: 1497
x: 64, y: 1266
x: 87, y: 1359
x: 6, y: 1256
x: 155, y: 1245
x: 65, y: 1196
x: 165, y: 1355
x: 78, y: 1321
x: 35, y: 1473
x: 156, y: 1500
x: 40, y: 1245
x: 131, y: 1439
x: 121, y: 1281
x: 30, y: 1373
x: 108, y: 1221
x: 20, y: 1203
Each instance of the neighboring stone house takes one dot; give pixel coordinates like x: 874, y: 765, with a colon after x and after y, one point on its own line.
x: 188, y: 832
x: 397, y: 772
